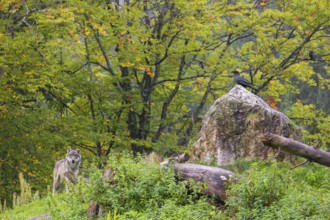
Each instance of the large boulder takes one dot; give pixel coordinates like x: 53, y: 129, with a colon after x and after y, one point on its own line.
x: 232, y: 126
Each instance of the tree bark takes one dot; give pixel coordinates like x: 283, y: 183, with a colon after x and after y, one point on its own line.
x: 297, y: 148
x: 217, y: 179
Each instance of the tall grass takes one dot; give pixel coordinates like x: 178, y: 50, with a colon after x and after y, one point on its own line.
x: 26, y: 195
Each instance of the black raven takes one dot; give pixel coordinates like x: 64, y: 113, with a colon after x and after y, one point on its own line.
x: 312, y: 55
x: 241, y: 81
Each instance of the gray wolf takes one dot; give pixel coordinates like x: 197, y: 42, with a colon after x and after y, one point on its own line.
x: 66, y: 169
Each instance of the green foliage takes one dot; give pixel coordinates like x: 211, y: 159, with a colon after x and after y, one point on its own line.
x: 35, y: 208
x: 315, y: 124
x: 100, y: 76
x: 274, y: 191
x: 171, y: 210
x: 239, y: 166
x: 139, y: 190
x: 25, y: 195
x: 25, y: 204
x: 144, y: 190
x: 68, y: 206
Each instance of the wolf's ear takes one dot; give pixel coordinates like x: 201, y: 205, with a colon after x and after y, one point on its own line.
x: 78, y: 150
x: 69, y: 149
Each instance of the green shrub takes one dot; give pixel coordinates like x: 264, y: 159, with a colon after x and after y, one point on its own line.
x: 144, y: 190
x: 306, y: 203
x: 139, y: 190
x: 275, y: 191
x: 200, y: 210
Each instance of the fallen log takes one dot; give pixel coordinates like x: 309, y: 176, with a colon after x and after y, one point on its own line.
x: 179, y: 159
x: 297, y: 148
x: 217, y: 179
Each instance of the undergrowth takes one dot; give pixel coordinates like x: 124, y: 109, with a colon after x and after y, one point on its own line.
x: 24, y: 211
x: 275, y: 191
x: 141, y: 189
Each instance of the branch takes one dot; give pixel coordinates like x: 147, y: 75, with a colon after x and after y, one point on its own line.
x: 298, y: 49
x: 265, y: 83
x: 167, y: 48
x: 167, y: 103
x: 197, y: 111
x: 91, y: 149
x: 297, y: 148
x: 59, y: 100
x: 285, y: 63
x: 103, y: 52
x: 241, y: 37
x: 100, y: 65
x: 75, y: 71
x: 181, y: 79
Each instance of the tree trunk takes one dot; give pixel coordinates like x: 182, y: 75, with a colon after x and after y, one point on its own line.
x: 297, y: 148
x: 217, y: 179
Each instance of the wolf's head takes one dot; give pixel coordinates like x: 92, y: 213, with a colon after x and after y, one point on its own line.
x: 73, y: 156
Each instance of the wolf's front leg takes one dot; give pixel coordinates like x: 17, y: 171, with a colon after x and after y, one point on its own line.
x: 56, y: 183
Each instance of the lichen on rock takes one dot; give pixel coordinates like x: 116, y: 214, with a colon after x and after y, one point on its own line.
x: 232, y: 125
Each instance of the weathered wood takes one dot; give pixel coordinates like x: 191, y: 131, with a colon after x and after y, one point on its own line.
x: 93, y: 209
x: 297, y: 148
x: 217, y: 179
x: 108, y: 174
x: 179, y: 159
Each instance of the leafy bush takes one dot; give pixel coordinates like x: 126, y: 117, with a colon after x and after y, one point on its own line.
x: 274, y: 191
x: 144, y: 190
x: 139, y: 190
x: 301, y: 203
